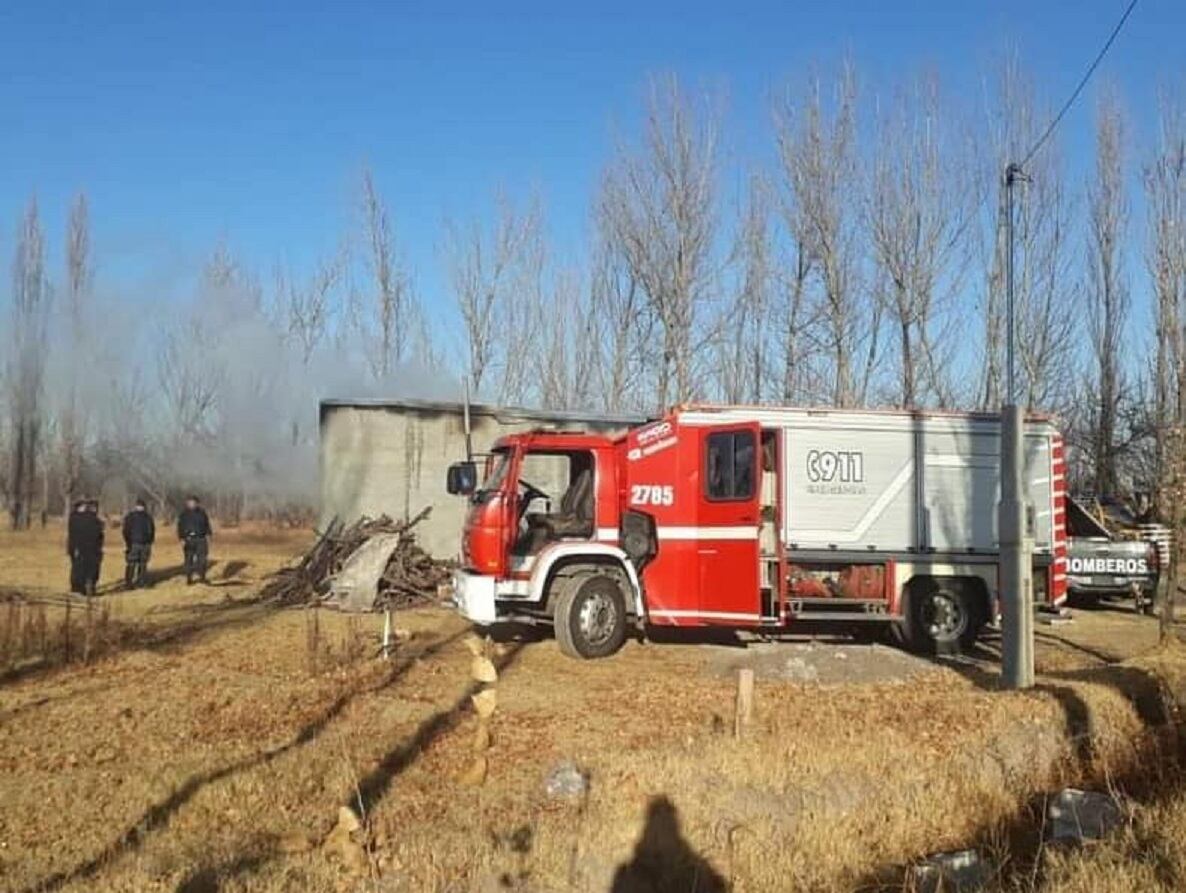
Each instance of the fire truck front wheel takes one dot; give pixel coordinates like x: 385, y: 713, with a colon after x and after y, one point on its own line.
x: 590, y: 616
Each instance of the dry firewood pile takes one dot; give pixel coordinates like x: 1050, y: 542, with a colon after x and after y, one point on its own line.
x: 411, y: 577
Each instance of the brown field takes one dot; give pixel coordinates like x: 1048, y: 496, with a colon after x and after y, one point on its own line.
x: 194, y: 739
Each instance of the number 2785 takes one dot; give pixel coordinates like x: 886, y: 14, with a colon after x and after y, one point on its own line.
x: 652, y: 494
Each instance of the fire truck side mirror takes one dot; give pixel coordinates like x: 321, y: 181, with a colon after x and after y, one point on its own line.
x: 462, y: 478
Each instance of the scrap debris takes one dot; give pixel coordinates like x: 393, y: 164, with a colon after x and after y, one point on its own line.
x: 411, y: 576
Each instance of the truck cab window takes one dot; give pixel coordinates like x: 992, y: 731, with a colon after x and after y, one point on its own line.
x: 729, y: 466
x: 558, y: 493
x: 546, y: 476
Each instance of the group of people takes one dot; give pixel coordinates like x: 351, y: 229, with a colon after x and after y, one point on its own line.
x: 84, y: 543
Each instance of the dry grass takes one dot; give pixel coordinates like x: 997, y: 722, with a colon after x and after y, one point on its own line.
x: 214, y: 749
x: 81, y: 631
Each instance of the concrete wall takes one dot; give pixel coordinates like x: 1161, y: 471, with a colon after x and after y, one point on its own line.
x: 390, y: 457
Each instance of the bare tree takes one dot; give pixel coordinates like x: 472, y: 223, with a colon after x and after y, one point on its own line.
x: 222, y: 269
x: 585, y: 352
x: 821, y: 175
x: 525, y: 314
x: 791, y: 269
x: 1165, y: 191
x: 190, y: 385
x: 1010, y: 128
x: 747, y: 343
x: 659, y: 204
x: 26, y: 375
x: 1045, y: 280
x: 621, y: 326
x: 307, y: 307
x: 73, y: 421
x: 920, y: 210
x: 1047, y: 287
x: 497, y: 280
x: 393, y: 294
x: 568, y: 353
x: 424, y: 351
x: 1107, y: 289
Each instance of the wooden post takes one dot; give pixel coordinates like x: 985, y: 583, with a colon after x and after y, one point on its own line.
x: 745, y: 701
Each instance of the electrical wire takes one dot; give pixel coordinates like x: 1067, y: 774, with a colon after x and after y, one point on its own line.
x: 1079, y: 89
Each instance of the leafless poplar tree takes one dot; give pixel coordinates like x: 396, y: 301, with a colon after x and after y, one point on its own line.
x: 920, y: 211
x: 746, y: 345
x: 1107, y: 288
x: 1009, y: 129
x: 497, y: 280
x: 26, y: 375
x: 622, y: 323
x: 1046, y: 328
x: 189, y: 384
x: 821, y: 177
x: 1046, y: 284
x: 306, y: 308
x: 393, y: 295
x: 1165, y: 192
x: 659, y: 204
x: 73, y: 422
x: 791, y: 269
x: 526, y: 315
x: 570, y: 353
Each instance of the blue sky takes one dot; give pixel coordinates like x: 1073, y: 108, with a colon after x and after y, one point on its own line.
x: 187, y: 123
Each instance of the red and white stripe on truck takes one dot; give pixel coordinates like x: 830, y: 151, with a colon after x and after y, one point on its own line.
x: 1057, y: 573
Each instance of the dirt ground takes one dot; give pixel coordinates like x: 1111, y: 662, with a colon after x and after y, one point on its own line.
x: 212, y: 745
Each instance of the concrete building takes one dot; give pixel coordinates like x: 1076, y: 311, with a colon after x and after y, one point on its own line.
x: 390, y: 456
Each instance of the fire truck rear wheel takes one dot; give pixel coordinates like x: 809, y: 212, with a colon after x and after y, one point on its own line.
x: 590, y: 616
x: 944, y: 616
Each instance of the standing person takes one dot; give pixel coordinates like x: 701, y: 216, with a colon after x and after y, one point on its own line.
x: 75, y: 537
x: 84, y: 545
x: 95, y: 568
x: 139, y: 534
x: 193, y: 529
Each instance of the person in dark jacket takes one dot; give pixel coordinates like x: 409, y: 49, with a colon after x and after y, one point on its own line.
x: 139, y: 533
x: 96, y: 568
x: 84, y: 545
x: 193, y: 529
x: 74, y: 533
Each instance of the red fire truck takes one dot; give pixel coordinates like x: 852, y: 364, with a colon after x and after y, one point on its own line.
x: 755, y: 517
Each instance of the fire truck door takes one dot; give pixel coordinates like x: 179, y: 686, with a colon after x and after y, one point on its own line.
x: 727, y: 524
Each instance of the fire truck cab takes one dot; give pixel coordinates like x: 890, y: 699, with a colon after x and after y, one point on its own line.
x: 545, y: 519
x: 748, y: 518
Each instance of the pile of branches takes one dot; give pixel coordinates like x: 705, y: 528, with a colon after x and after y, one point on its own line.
x: 412, y: 576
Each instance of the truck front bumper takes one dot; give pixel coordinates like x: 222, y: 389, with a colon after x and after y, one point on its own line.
x: 473, y: 596
x: 1111, y: 585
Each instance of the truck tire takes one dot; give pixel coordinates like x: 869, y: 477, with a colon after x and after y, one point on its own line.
x: 943, y: 616
x: 1147, y: 604
x: 590, y: 616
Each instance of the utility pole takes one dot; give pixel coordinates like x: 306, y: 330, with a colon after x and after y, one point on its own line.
x: 469, y: 443
x: 1015, y: 569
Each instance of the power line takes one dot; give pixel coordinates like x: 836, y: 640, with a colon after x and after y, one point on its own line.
x: 1082, y: 83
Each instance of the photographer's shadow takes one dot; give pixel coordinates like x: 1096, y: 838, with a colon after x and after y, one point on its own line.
x: 663, y: 862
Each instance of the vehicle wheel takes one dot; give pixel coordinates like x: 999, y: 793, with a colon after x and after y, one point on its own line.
x: 590, y: 616
x: 942, y: 617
